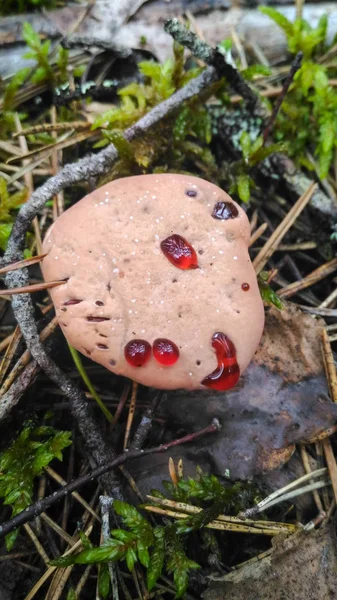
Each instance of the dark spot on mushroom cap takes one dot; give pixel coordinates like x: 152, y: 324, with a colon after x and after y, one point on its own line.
x: 224, y: 210
x: 72, y: 301
x: 93, y: 319
x: 112, y: 362
x: 102, y: 347
x: 99, y: 303
x: 102, y: 335
x: 121, y: 274
x: 200, y: 251
x: 191, y: 193
x: 174, y: 280
x: 63, y: 308
x: 198, y: 362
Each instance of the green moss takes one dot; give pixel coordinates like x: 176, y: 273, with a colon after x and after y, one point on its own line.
x: 25, y: 460
x: 308, y: 116
x: 11, y: 7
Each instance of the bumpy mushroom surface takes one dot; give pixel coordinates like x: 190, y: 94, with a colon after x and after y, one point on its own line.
x: 160, y: 287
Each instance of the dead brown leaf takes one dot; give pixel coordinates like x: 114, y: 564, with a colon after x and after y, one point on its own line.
x: 281, y: 400
x: 300, y: 567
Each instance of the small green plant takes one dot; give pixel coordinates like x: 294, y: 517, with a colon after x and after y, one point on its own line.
x: 8, y: 204
x: 253, y: 152
x: 163, y: 547
x: 23, y: 461
x: 267, y: 293
x: 44, y: 71
x: 189, y: 133
x: 308, y: 116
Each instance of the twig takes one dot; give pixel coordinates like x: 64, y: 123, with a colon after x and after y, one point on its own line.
x: 77, y: 496
x: 35, y: 287
x: 221, y: 525
x: 331, y: 376
x: 41, y: 505
x: 145, y: 424
x: 90, y: 42
x: 26, y: 262
x: 257, y: 234
x: 131, y: 414
x: 289, y: 496
x: 83, y: 580
x: 25, y: 358
x: 63, y: 534
x: 313, y: 277
x: 28, y: 177
x: 293, y: 69
x: 56, y: 160
x: 14, y: 341
x: 45, y: 127
x: 331, y: 462
x: 12, y: 397
x: 79, y: 366
x: 51, y: 570
x: 329, y: 300
x: 250, y: 512
x: 37, y: 543
x: 106, y: 503
x: 329, y: 365
x: 193, y: 510
x: 280, y: 231
x: 306, y: 465
x: 212, y: 57
x: 121, y: 405
x: 322, y: 312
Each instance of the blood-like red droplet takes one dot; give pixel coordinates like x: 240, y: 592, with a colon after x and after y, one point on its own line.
x: 245, y: 287
x: 227, y: 373
x: 137, y: 352
x: 224, y: 211
x: 179, y: 252
x: 165, y: 352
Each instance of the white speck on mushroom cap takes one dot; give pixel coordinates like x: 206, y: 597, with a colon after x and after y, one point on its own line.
x: 185, y: 306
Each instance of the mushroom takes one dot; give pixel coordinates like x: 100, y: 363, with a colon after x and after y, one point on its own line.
x: 159, y: 284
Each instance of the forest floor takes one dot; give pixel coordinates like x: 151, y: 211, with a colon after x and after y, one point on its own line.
x: 111, y: 489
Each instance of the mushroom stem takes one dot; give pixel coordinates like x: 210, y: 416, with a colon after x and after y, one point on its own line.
x: 35, y: 287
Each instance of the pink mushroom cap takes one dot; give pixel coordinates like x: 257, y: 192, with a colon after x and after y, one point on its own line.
x: 159, y: 260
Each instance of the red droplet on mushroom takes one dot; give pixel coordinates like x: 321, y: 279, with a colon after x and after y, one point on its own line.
x: 227, y: 373
x: 165, y: 352
x: 224, y: 210
x: 179, y: 252
x: 137, y: 352
x: 245, y: 287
